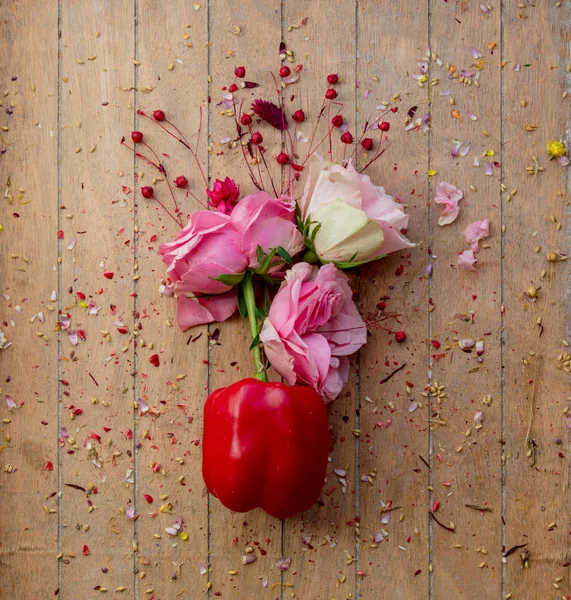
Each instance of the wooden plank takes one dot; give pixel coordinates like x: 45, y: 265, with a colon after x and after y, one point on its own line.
x: 467, y: 562
x: 392, y: 439
x: 251, y: 39
x: 28, y: 450
x: 325, y: 567
x: 536, y: 392
x: 172, y: 50
x: 97, y: 50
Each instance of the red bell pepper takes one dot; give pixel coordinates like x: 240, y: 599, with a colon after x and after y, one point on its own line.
x: 265, y: 445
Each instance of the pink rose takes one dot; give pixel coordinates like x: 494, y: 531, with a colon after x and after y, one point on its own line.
x: 449, y: 195
x: 224, y: 195
x: 208, y: 247
x: 266, y: 222
x: 312, y: 327
x: 358, y: 221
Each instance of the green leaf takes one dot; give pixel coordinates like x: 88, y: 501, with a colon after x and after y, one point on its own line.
x: 260, y: 314
x: 314, y: 232
x: 266, y: 263
x: 255, y: 342
x: 350, y: 265
x: 231, y: 279
x: 283, y: 253
x: 260, y: 254
x: 242, y: 304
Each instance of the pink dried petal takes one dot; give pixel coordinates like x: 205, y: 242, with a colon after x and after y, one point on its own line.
x: 283, y: 564
x: 412, y: 406
x: 73, y: 337
x: 10, y: 402
x: 476, y: 53
x: 143, y: 406
x: 340, y: 472
x: 248, y: 559
x: 466, y: 344
x: 485, y: 9
x: 563, y: 160
x: 488, y: 169
x: 467, y: 260
x: 448, y: 195
x: 386, y: 518
x: 568, y: 420
x: 202, y: 569
x: 478, y: 417
x: 378, y: 537
x: 428, y: 269
x: 171, y: 530
x: 475, y: 232
x: 464, y: 151
x: 130, y: 512
x: 455, y: 148
x: 479, y: 347
x: 71, y: 244
x: 472, y: 116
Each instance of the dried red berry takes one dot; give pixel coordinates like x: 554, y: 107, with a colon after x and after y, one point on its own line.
x: 347, y: 138
x: 108, y: 274
x: 148, y: 498
x: 384, y: 126
x: 394, y: 109
x: 257, y: 138
x: 147, y: 191
x: 381, y: 305
x: 159, y: 115
x: 137, y: 137
x: 285, y: 71
x: 298, y: 116
x: 154, y: 360
x: 246, y: 119
x: 435, y: 506
x: 337, y: 121
x: 400, y: 336
x: 240, y: 72
x: 282, y: 158
x: 331, y: 94
x: 232, y: 88
x: 367, y: 144
x: 181, y: 181
x: 333, y: 78
x: 85, y: 550
x: 296, y: 167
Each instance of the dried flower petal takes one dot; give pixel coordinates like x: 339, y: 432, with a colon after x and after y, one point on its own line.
x: 270, y: 113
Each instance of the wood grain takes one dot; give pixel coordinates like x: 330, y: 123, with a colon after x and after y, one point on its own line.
x: 62, y: 491
x: 393, y: 440
x: 28, y: 247
x: 536, y: 392
x: 97, y: 380
x: 257, y: 48
x: 326, y: 567
x: 467, y: 563
x: 173, y: 52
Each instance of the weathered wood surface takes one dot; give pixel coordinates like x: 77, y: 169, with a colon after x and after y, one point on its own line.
x: 81, y: 453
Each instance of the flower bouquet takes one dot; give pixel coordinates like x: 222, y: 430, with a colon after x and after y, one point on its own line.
x: 277, y: 256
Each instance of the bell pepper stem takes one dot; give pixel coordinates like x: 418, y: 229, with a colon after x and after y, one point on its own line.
x: 248, y: 291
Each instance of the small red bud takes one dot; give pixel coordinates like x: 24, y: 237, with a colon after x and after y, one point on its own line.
x: 298, y: 68
x: 384, y: 126
x: 137, y: 137
x: 296, y: 167
x: 285, y: 71
x: 367, y: 144
x: 394, y: 109
x: 333, y: 78
x: 159, y: 115
x: 400, y: 336
x: 347, y: 138
x: 147, y: 191
x: 232, y: 88
x: 331, y: 94
x: 240, y: 72
x: 282, y: 158
x: 257, y: 138
x: 337, y: 121
x: 181, y: 181
x: 381, y: 305
x: 298, y: 116
x: 246, y: 119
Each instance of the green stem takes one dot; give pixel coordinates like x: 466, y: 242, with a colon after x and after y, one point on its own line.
x: 248, y: 291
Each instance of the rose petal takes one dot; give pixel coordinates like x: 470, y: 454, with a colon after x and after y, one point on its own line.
x: 467, y: 260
